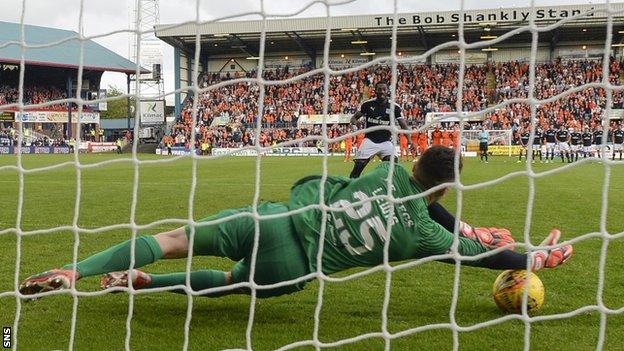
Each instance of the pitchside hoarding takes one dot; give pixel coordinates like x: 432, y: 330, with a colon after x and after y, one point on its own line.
x: 152, y: 112
x: 56, y: 117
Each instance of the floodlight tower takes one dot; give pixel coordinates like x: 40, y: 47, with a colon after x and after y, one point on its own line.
x: 143, y: 17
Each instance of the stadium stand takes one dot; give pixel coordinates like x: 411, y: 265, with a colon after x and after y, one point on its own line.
x: 420, y: 89
x: 566, y: 58
x: 50, y: 74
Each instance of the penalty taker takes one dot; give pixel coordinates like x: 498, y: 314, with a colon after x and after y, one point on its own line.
x: 288, y: 245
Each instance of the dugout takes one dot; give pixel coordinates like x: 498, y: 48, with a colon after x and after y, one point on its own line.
x: 234, y: 46
x: 51, y: 59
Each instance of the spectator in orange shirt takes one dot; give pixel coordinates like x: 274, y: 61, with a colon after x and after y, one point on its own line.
x: 422, y: 142
x: 455, y: 138
x: 436, y: 137
x: 359, y: 138
x: 414, y: 136
x: 348, y: 147
x: 446, y: 138
x: 403, y: 149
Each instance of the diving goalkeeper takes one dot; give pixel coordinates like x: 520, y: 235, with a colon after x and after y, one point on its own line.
x: 288, y: 244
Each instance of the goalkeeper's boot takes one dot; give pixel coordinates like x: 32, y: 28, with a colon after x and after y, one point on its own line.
x: 120, y: 279
x: 55, y: 279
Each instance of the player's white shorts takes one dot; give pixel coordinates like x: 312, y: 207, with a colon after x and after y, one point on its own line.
x: 575, y: 148
x: 564, y: 147
x: 369, y: 149
x: 617, y: 147
x: 550, y: 146
x: 600, y: 149
x: 587, y: 149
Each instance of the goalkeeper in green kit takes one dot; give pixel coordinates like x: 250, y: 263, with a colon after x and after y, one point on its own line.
x: 356, y: 230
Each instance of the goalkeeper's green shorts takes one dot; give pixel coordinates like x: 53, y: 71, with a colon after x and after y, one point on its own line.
x: 280, y: 254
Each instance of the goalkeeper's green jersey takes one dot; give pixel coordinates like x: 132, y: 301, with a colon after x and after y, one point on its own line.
x: 355, y: 235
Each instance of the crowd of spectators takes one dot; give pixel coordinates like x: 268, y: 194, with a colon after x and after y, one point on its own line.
x: 236, y: 135
x: 420, y: 89
x: 585, y: 107
x: 7, y: 136
x: 36, y: 95
x: 10, y: 136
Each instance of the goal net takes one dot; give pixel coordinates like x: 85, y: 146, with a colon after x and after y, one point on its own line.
x: 528, y: 95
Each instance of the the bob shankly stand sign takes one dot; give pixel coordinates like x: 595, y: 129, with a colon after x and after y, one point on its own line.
x: 482, y: 16
x: 515, y: 16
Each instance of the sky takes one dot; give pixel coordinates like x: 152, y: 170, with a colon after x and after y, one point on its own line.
x: 101, y: 17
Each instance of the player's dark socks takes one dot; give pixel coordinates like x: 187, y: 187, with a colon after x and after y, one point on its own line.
x: 387, y: 159
x: 117, y: 258
x: 200, y: 280
x: 358, y: 167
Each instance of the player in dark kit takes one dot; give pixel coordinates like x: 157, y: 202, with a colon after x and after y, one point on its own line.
x: 356, y: 230
x: 618, y: 139
x: 575, y: 143
x: 598, y: 141
x: 537, y: 144
x: 524, y: 143
x: 551, y: 137
x: 563, y: 139
x: 374, y: 113
x: 587, y: 139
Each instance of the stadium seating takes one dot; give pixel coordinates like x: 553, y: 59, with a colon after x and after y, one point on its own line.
x: 420, y: 89
x: 581, y: 108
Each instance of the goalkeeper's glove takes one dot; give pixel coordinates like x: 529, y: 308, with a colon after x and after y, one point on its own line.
x: 491, y: 238
x: 552, y: 257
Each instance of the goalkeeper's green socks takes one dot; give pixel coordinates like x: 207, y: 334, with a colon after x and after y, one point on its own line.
x: 117, y: 258
x: 200, y: 280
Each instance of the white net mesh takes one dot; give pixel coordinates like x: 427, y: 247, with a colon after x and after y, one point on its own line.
x: 393, y: 60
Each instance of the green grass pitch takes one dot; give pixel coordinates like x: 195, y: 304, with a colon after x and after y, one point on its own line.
x: 570, y: 200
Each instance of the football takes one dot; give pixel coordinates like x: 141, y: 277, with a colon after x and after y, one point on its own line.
x: 509, y: 288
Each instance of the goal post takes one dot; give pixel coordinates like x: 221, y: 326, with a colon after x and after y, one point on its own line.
x: 500, y: 141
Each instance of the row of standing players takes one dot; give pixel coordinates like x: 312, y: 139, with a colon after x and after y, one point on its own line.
x: 569, y: 143
x: 377, y: 142
x: 419, y: 142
